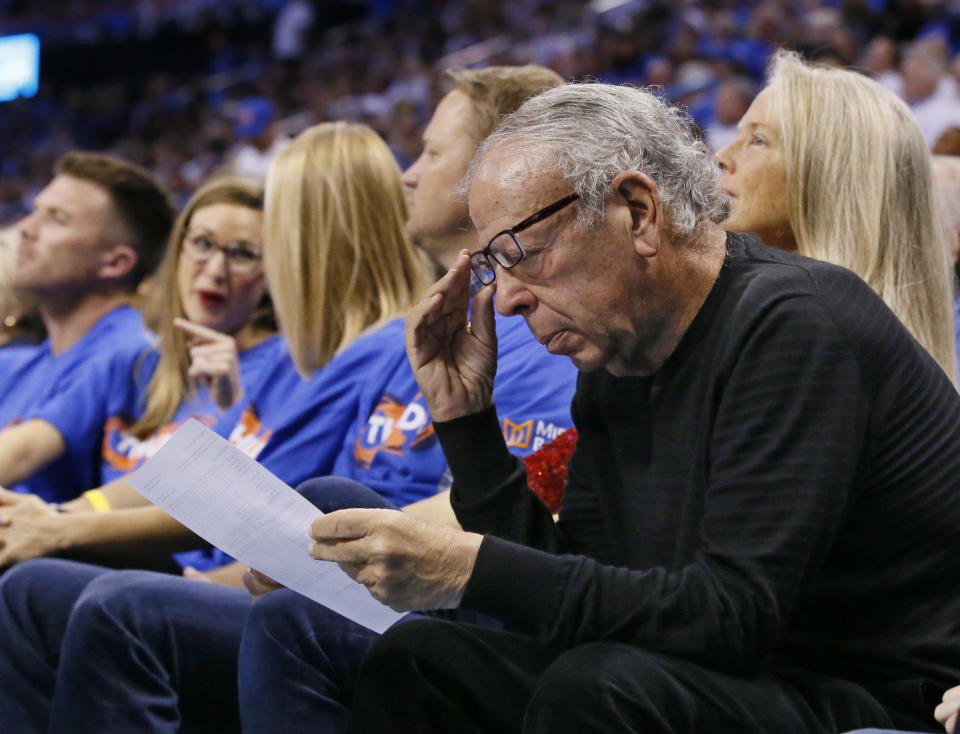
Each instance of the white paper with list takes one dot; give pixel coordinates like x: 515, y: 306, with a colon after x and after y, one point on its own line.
x: 231, y: 501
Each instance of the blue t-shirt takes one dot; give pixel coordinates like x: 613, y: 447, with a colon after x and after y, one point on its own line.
x: 295, y: 427
x: 71, y: 391
x: 391, y: 446
x: 123, y: 453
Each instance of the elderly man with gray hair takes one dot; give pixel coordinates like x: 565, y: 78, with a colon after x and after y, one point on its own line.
x: 759, y: 532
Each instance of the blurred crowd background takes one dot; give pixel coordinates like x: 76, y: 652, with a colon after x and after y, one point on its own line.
x: 192, y: 87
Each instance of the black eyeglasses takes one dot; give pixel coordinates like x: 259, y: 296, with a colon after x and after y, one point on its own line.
x: 200, y: 247
x: 504, y: 248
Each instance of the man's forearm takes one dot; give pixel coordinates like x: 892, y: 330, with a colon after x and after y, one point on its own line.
x: 26, y: 448
x: 140, y: 529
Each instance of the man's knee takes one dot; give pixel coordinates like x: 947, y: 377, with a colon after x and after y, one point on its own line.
x: 329, y: 494
x: 124, y: 598
x: 21, y: 581
x: 600, y: 686
x: 410, y: 642
x: 283, y: 616
x: 41, y: 592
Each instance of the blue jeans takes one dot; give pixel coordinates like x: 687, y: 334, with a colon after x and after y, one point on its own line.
x: 88, y: 649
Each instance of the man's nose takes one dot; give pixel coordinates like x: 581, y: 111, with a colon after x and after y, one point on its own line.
x: 513, y: 297
x: 410, y: 177
x: 27, y: 227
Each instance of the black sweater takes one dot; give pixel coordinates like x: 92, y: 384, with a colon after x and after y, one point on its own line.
x: 784, y: 491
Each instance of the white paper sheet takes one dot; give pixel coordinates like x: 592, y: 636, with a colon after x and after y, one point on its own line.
x: 231, y: 501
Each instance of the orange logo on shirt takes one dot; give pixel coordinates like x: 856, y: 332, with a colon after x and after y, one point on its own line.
x: 394, y: 427
x: 250, y: 435
x: 518, y: 435
x: 125, y: 452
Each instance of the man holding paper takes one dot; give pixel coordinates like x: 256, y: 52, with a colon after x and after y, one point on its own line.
x: 761, y: 507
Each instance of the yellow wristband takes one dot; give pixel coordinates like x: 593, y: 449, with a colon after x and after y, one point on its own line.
x: 98, y: 500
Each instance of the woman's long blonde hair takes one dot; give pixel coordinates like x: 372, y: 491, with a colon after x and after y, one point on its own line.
x: 336, y: 258
x: 860, y: 193
x: 169, y: 385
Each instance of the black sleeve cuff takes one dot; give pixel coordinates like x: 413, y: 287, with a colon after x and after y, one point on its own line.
x: 475, y: 450
x: 514, y: 583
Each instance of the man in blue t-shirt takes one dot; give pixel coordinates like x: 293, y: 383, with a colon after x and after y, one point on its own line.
x: 97, y: 230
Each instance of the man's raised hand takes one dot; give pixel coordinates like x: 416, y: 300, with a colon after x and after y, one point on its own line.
x: 454, y: 358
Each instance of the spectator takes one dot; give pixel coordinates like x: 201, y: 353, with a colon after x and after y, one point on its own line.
x: 805, y: 175
x: 260, y: 140
x: 881, y: 62
x: 933, y: 106
x: 97, y: 230
x: 732, y: 100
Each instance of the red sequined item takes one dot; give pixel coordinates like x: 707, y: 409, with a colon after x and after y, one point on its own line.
x: 547, y: 468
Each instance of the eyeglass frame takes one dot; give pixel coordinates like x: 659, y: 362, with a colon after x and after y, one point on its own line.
x: 187, y: 250
x: 490, y: 259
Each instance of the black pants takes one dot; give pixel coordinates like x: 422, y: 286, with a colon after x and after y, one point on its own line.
x: 431, y: 675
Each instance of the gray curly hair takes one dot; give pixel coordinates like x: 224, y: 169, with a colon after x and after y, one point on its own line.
x: 591, y: 132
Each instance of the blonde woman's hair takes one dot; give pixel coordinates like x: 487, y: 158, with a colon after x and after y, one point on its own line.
x: 169, y: 385
x: 18, y: 312
x: 860, y: 193
x: 9, y: 297
x: 335, y: 254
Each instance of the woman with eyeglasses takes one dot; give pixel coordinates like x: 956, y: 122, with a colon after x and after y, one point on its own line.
x: 832, y: 165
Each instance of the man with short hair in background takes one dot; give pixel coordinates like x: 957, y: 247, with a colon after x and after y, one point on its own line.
x: 97, y: 230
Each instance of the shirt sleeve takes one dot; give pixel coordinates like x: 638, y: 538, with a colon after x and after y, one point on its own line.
x: 784, y: 451
x: 81, y: 403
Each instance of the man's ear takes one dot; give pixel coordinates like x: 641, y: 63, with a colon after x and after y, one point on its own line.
x: 117, y: 262
x: 640, y: 195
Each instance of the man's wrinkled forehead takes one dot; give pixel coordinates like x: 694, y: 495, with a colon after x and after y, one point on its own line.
x: 507, y: 179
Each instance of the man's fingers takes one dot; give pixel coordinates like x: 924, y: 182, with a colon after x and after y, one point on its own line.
x: 257, y: 583
x: 482, y: 322
x: 352, y: 569
x: 9, y: 498
x: 952, y: 693
x: 347, y: 524
x: 355, y: 551
x: 945, y: 711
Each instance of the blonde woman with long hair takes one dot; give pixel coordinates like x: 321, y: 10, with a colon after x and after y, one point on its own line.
x: 832, y: 165
x: 214, y: 321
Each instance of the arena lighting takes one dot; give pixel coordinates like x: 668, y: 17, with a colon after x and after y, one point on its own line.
x: 19, y: 66
x: 605, y: 6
